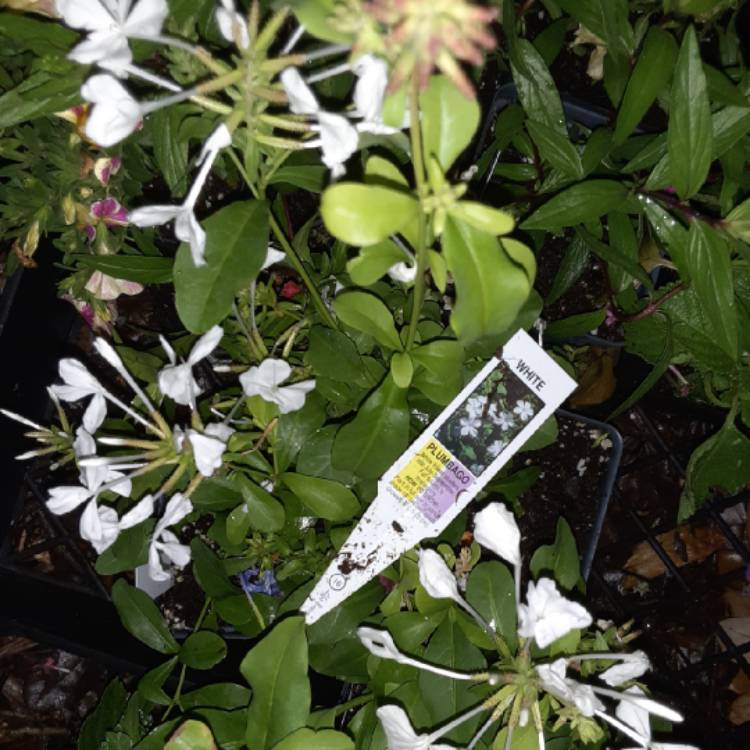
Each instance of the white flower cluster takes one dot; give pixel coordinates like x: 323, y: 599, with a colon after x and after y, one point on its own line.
x: 100, y: 524
x: 543, y: 618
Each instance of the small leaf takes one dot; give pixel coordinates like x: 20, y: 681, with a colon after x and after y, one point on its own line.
x: 191, y: 735
x: 689, y: 133
x: 129, y: 550
x: 323, y: 497
x: 556, y: 149
x: 449, y: 120
x: 236, y: 244
x: 203, y: 650
x: 484, y: 218
x: 309, y: 739
x: 150, y: 686
x: 373, y: 262
x: 578, y: 204
x: 276, y: 670
x: 333, y: 354
x: 491, y: 591
x: 438, y: 269
x: 366, y: 214
x: 560, y: 558
x: 367, y: 313
x: 209, y: 571
x: 141, y: 617
x: 104, y: 717
x: 145, y: 269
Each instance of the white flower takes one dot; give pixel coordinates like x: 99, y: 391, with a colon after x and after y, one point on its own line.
x: 273, y: 256
x: 177, y: 381
x: 636, y: 716
x: 115, y: 114
x: 209, y: 446
x: 66, y: 498
x: 265, y: 381
x: 372, y: 74
x: 232, y: 25
x: 475, y: 406
x: 79, y: 383
x: 164, y: 543
x: 100, y: 525
x: 631, y: 667
x: 400, y: 734
x: 524, y: 410
x: 469, y: 427
x: 108, y: 288
x: 93, y: 477
x: 110, y: 23
x: 436, y: 577
x: 503, y: 420
x: 186, y: 226
x: 379, y: 643
x: 497, y: 447
x: 547, y: 615
x: 338, y: 137
x: 554, y: 681
x: 403, y: 272
x: 496, y: 529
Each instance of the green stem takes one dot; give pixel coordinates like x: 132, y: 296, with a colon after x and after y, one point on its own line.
x: 415, y: 131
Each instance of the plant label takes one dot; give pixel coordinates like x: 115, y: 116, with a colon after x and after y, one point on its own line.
x: 508, y: 400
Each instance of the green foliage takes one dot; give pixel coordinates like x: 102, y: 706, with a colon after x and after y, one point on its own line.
x: 141, y: 617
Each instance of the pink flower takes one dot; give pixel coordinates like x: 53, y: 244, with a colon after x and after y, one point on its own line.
x: 108, y: 288
x: 105, y: 167
x: 110, y: 212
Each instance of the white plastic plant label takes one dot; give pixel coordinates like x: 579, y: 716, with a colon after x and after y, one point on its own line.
x: 447, y: 465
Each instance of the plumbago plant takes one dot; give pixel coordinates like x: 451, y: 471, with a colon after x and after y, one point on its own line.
x: 247, y: 445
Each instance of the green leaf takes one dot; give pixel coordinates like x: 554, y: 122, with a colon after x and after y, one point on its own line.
x: 150, y: 686
x: 295, y: 428
x: 145, y: 269
x: 611, y: 254
x: 737, y: 222
x: 276, y: 670
x: 209, y: 571
x: 491, y: 591
x: 608, y: 19
x: 367, y: 313
x: 170, y: 151
x: 203, y: 650
x: 487, y: 219
x: 260, y: 510
x: 333, y: 354
x: 141, y: 617
x: 236, y: 244
x: 323, y: 497
x: 445, y: 697
x: 536, y: 89
x: 689, y: 133
x: 373, y: 262
x: 578, y: 204
x: 315, y: 16
x: 366, y: 214
x: 573, y: 264
x: 191, y: 735
x: 214, y: 495
x: 129, y: 550
x: 227, y: 695
x: 40, y: 37
x: 651, y: 74
x: 708, y: 258
x: 310, y: 177
x: 439, y: 373
x: 556, y: 149
x: 491, y: 286
x: 559, y: 558
x: 104, y: 717
x: 575, y: 325
x: 402, y: 369
x: 377, y: 435
x: 449, y: 120
x: 309, y: 739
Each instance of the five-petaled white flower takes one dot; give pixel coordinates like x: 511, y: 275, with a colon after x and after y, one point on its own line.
x: 497, y: 447
x: 177, y: 380
x: 79, y: 383
x: 186, y: 226
x: 110, y: 23
x: 547, y: 615
x: 265, y: 381
x: 100, y: 524
x: 115, y: 114
x: 232, y: 25
x: 524, y: 410
x: 475, y: 406
x: 496, y: 529
x: 503, y: 419
x: 469, y: 427
x: 164, y: 544
x: 553, y: 680
x: 338, y: 137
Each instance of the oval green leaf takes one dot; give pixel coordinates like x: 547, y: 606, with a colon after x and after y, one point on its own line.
x: 367, y: 313
x: 141, y: 617
x: 323, y: 497
x: 203, y: 650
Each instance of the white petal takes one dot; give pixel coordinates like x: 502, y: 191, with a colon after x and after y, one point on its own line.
x: 143, y: 510
x: 436, y: 577
x: 151, y: 216
x: 107, y: 48
x: 219, y: 430
x: 123, y: 488
x: 178, y: 553
x: 400, y: 734
x: 231, y: 25
x: 403, y: 272
x: 220, y: 138
x: 630, y: 668
x: 188, y: 229
x: 633, y: 715
x: 370, y: 88
x: 207, y: 452
x: 273, y: 256
x: 302, y: 101
x: 168, y: 349
x: 76, y: 376
x: 155, y: 568
x: 379, y: 643
x: 146, y: 18
x: 85, y: 14
x: 64, y: 499
x: 495, y: 528
x: 99, y: 526
x: 547, y: 615
x: 205, y: 344
x: 292, y: 397
x: 115, y: 114
x: 177, y: 508
x: 95, y: 413
x: 177, y: 382
x: 338, y: 140
x: 258, y: 381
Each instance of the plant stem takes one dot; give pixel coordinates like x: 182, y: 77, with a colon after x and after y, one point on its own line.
x: 415, y: 132
x: 651, y: 308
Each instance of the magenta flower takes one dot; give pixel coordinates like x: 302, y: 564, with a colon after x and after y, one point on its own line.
x: 110, y: 212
